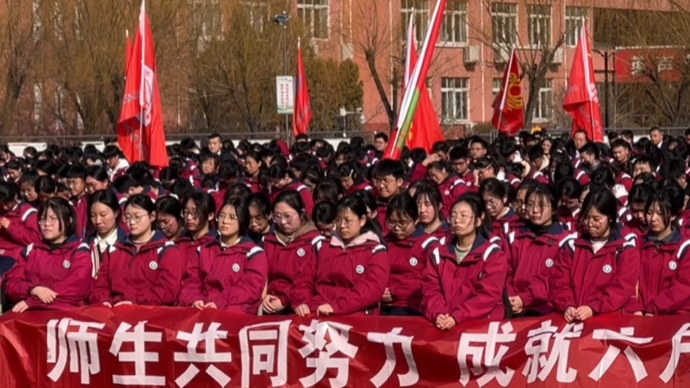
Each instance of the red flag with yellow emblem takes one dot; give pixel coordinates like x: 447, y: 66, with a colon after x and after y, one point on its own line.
x: 509, y: 117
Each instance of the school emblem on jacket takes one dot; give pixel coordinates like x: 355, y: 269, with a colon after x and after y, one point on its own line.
x: 414, y: 262
x: 236, y: 267
x: 672, y: 265
x: 66, y: 264
x: 359, y: 269
x: 607, y: 269
x: 549, y: 263
x: 153, y: 265
x: 301, y: 252
x: 446, y: 192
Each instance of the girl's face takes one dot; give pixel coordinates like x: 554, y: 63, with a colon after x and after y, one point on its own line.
x: 138, y: 220
x: 463, y: 221
x: 520, y: 199
x: 427, y: 212
x: 103, y: 218
x: 326, y: 230
x: 168, y: 225
x: 286, y: 219
x: 572, y: 204
x: 192, y: 218
x: 401, y: 225
x: 251, y: 166
x: 597, y: 224
x: 280, y: 184
x: 347, y: 182
x: 208, y: 167
x: 93, y: 185
x: 655, y: 219
x: 258, y: 222
x: 539, y: 210
x: 228, y: 226
x: 494, y: 205
x: 349, y: 225
x: 15, y: 174
x: 28, y: 191
x: 546, y: 146
x: 50, y: 226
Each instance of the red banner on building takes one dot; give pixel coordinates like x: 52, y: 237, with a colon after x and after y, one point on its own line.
x: 642, y: 65
x: 184, y: 348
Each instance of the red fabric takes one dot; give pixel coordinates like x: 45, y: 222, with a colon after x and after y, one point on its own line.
x: 624, y: 180
x: 468, y: 291
x: 443, y: 233
x: 381, y: 208
x: 233, y: 278
x: 501, y: 227
x: 567, y: 219
x: 362, y: 186
x: 530, y: 260
x: 581, y: 100
x: 581, y: 177
x: 150, y: 276
x: 665, y: 275
x: 285, y: 262
x: 604, y: 281
x: 140, y: 132
x: 509, y: 117
x: 418, y: 173
x: 65, y: 270
x: 303, y: 191
x: 451, y: 189
x: 188, y: 246
x: 351, y: 280
x: 302, y: 112
x: 81, y: 210
x: 539, y: 177
x: 23, y: 230
x: 253, y: 184
x: 408, y: 258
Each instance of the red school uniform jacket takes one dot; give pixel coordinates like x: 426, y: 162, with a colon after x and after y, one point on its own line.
x: 451, y: 189
x: 303, y: 192
x: 569, y: 220
x: 151, y: 276
x: 351, y: 279
x: 530, y: 259
x: 188, y: 247
x: 408, y: 258
x: 665, y: 275
x: 23, y: 230
x: 286, y: 260
x: 231, y: 277
x: 470, y: 290
x: 362, y: 186
x: 65, y: 269
x: 81, y: 210
x: 605, y: 281
x: 502, y: 226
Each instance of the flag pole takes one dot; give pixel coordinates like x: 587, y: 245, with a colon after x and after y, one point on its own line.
x: 142, y: 84
x: 505, y: 88
x: 585, y: 57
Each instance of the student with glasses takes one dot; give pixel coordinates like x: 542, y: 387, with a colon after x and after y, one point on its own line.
x: 228, y: 273
x: 169, y: 218
x: 288, y: 246
x: 54, y: 273
x: 280, y: 179
x: 18, y: 224
x: 495, y: 195
x: 349, y: 272
x: 198, y: 214
x: 409, y: 248
x: 145, y: 269
x: 388, y: 181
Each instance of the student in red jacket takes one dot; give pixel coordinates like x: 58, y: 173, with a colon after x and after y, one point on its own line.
x: 596, y: 272
x: 105, y: 216
x: 349, y: 272
x: 531, y: 250
x: 352, y: 178
x: 198, y: 212
x: 408, y: 248
x: 253, y: 167
x: 569, y: 191
x: 324, y: 217
x: 96, y: 179
x: 464, y: 280
x: 260, y: 216
x: 145, y: 269
x: 18, y: 225
x: 665, y: 272
x: 450, y: 186
x: 76, y: 183
x: 636, y: 216
x: 54, y: 273
x: 388, y: 180
x: 288, y: 247
x: 280, y: 180
x: 429, y: 204
x: 169, y: 218
x: 495, y: 196
x: 521, y: 198
x: 230, y: 272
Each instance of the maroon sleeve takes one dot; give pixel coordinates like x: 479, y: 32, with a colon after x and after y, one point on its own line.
x: 18, y: 287
x: 27, y: 232
x: 100, y: 291
x: 250, y: 288
x: 368, y: 290
x: 308, y: 201
x: 561, y: 293
x: 433, y: 300
x: 418, y: 173
x: 621, y: 289
x: 192, y: 284
x: 676, y: 297
x: 488, y: 292
x: 166, y: 289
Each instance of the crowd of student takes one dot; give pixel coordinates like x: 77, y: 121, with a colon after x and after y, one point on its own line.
x: 521, y: 227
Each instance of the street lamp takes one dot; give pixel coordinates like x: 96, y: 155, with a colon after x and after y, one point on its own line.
x: 282, y: 20
x: 606, y: 54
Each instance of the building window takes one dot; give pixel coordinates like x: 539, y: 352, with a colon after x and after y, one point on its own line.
x: 455, y: 23
x: 575, y: 18
x: 454, y: 99
x: 314, y: 14
x: 206, y: 17
x: 544, y: 107
x: 539, y: 25
x: 419, y: 9
x: 257, y: 14
x: 504, y: 23
x: 496, y: 87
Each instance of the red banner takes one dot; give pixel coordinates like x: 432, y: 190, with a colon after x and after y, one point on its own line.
x: 147, y: 347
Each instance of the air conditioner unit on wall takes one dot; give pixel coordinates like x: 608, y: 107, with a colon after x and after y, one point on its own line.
x: 501, y: 54
x: 558, y: 56
x: 471, y: 54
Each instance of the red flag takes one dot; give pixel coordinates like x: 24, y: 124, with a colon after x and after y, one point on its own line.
x: 508, y: 115
x: 140, y: 127
x: 302, y: 114
x: 581, y: 99
x: 425, y: 129
x: 128, y: 51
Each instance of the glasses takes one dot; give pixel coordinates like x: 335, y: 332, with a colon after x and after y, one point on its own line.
x: 278, y: 218
x: 493, y: 203
x: 227, y: 218
x: 134, y: 218
x: 73, y: 182
x: 537, y: 206
x: 187, y: 213
x: 258, y: 219
x: 387, y: 181
x: 460, y: 217
x: 344, y: 221
x: 48, y: 221
x: 399, y: 225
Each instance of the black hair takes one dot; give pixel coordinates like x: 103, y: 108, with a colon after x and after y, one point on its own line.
x: 111, y: 151
x: 381, y: 135
x: 673, y: 168
x: 242, y: 213
x: 668, y: 205
x: 430, y: 191
x: 676, y: 194
x: 208, y: 182
x: 563, y: 171
x: 438, y: 166
x: 402, y: 204
x: 9, y: 192
x: 182, y: 188
x: 458, y: 152
x: 646, y: 159
x: 350, y: 170
x: 215, y: 135
x: 30, y: 177
x: 325, y: 212
x: 592, y: 149
x: 640, y: 194
x: 107, y: 198
x: 328, y: 189
x: 238, y: 191
x: 602, y: 177
x: 621, y: 143
x: 46, y: 185
x: 278, y: 171
x: 356, y: 205
x: 493, y: 187
x: 604, y: 202
x: 141, y: 201
x: 544, y: 191
x: 476, y: 203
x: 124, y: 183
x: 534, y: 153
x: 389, y: 167
x: 64, y: 213
x: 171, y: 206
x: 204, y: 203
x: 98, y: 173
x: 141, y: 175
x: 261, y: 202
x: 293, y: 200
x: 14, y: 165
x: 312, y: 173
x: 486, y: 162
x: 569, y: 188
